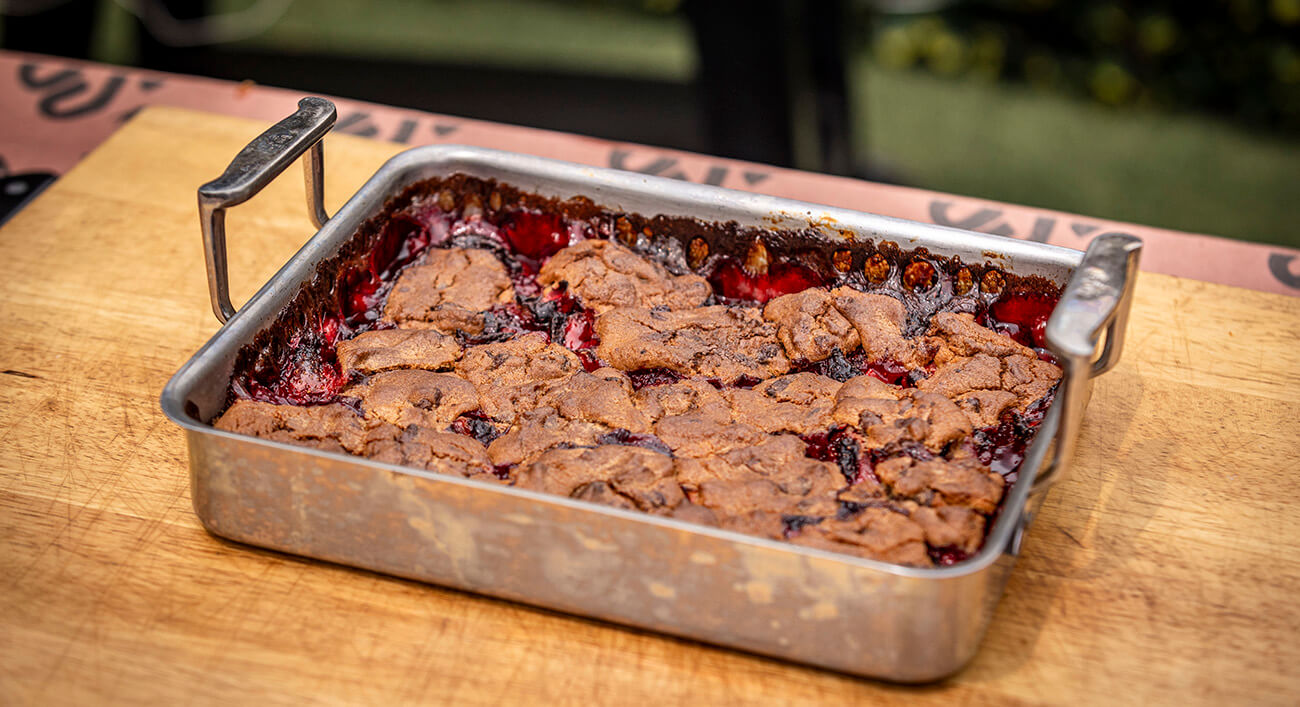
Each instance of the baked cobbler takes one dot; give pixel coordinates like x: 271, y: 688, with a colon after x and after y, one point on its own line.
x: 843, y: 395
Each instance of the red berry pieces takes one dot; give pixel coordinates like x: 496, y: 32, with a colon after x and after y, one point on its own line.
x: 506, y: 321
x: 360, y: 293
x: 401, y: 242
x: 818, y: 446
x: 843, y: 446
x: 891, y: 372
x: 589, y: 360
x: 631, y: 439
x: 536, y: 235
x: 1023, y: 316
x: 330, y: 328
x: 733, y: 281
x: 760, y: 277
x: 579, y: 336
x: 580, y: 331
x: 1003, y: 446
x: 305, y: 374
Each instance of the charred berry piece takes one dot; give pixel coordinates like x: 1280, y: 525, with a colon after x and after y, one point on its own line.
x: 842, y: 446
x: 352, y: 403
x: 848, y: 509
x: 848, y: 454
x: 503, y: 322
x: 565, y: 321
x: 999, y: 447
x: 477, y: 233
x: 917, y: 451
x: 630, y: 439
x: 837, y: 366
x: 733, y: 281
x: 550, y: 313
x: 793, y: 524
x: 647, y: 377
x: 840, y: 368
x: 475, y: 424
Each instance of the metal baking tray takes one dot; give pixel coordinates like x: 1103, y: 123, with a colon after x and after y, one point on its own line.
x: 836, y: 611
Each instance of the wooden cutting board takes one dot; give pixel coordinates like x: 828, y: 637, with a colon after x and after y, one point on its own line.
x: 1164, y: 569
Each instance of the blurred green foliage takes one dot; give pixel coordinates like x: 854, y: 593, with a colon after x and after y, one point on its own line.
x: 1236, y: 58
x: 1013, y: 143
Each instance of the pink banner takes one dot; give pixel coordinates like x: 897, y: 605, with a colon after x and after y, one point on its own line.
x: 53, y: 111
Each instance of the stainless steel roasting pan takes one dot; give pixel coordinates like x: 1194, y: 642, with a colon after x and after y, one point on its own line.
x: 835, y: 611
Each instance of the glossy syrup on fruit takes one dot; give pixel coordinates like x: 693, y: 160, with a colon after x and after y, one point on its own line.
x: 732, y: 281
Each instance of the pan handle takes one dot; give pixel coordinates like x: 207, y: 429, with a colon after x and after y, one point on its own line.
x: 1086, y: 332
x: 261, y: 161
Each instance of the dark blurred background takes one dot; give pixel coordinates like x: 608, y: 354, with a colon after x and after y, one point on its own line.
x: 1177, y: 114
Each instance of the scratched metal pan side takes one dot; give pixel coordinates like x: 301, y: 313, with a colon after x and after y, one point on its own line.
x: 746, y: 593
x: 846, y: 613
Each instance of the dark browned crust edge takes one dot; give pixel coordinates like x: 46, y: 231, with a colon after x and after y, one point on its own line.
x: 662, y: 237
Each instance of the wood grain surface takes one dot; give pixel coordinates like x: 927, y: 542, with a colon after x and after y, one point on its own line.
x: 1164, y: 569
